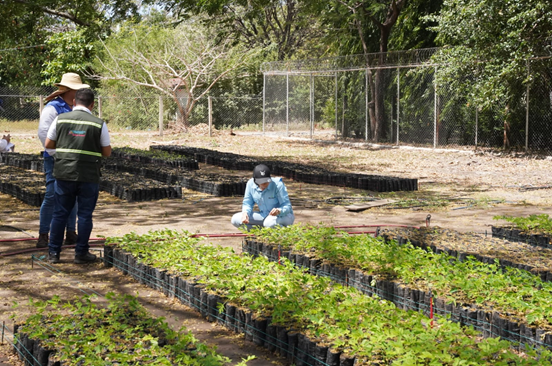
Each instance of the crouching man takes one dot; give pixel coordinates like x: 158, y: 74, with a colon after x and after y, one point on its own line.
x: 80, y: 140
x: 270, y: 195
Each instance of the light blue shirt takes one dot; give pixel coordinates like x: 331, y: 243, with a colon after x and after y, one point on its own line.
x: 274, y: 196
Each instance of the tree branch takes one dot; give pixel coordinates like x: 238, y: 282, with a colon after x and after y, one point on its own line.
x: 64, y: 15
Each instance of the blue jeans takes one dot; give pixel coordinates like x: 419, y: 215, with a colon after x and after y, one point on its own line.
x: 66, y: 193
x: 47, y: 208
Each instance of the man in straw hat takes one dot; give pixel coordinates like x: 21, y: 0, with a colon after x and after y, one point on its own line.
x: 59, y: 102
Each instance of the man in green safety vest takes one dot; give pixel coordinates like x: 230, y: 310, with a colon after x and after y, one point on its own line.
x: 80, y: 140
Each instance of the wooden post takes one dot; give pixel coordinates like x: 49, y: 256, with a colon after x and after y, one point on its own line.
x: 41, y: 105
x: 99, y: 106
x: 210, y: 104
x: 160, y: 115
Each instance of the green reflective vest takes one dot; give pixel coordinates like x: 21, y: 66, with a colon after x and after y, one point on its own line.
x: 78, y: 151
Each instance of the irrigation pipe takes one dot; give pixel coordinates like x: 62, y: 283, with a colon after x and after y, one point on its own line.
x: 220, y: 235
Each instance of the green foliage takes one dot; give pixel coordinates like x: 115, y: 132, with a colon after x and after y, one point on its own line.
x: 67, y: 52
x: 132, y: 107
x: 35, y: 33
x: 81, y: 333
x: 283, y: 27
x: 413, y: 31
x: 533, y: 223
x: 371, y: 329
x: 489, y: 43
x: 509, y: 291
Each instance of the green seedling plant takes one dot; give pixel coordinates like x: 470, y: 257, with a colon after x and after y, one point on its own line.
x: 368, y: 327
x: 83, y: 333
x: 530, y: 224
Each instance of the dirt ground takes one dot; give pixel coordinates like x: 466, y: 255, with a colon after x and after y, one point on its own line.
x: 460, y: 189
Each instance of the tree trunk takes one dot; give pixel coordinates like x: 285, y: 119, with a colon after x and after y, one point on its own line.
x: 376, y: 107
x: 184, y: 111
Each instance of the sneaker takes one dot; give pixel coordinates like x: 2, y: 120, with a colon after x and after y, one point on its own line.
x: 53, y: 258
x: 70, y: 238
x: 42, y: 240
x: 85, y: 258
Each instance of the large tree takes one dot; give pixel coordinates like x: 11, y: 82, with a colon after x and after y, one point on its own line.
x: 372, y: 28
x: 372, y: 21
x: 32, y: 32
x: 284, y: 26
x: 489, y: 45
x: 183, y: 62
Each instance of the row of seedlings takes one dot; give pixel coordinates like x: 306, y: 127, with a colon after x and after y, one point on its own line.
x: 25, y: 185
x: 213, y: 184
x: 295, y: 171
x: 23, y: 161
x: 308, y: 319
x: 509, y: 303
x: 535, y: 259
x: 29, y: 187
x: 134, y: 188
x: 80, y: 332
x: 156, y: 157
x: 533, y: 229
x: 160, y: 173
x: 173, y: 179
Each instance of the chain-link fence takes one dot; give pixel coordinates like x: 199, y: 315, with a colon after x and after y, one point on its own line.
x: 142, y: 111
x: 397, y: 101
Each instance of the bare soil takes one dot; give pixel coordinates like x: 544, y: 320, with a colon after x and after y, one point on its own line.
x: 459, y: 189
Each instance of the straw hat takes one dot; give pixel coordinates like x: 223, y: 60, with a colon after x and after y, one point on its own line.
x: 69, y: 81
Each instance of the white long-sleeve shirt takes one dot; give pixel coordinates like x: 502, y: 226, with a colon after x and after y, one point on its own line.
x: 48, y: 116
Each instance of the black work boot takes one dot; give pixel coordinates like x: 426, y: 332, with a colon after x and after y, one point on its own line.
x: 53, y: 258
x: 84, y: 258
x: 42, y: 240
x: 70, y: 238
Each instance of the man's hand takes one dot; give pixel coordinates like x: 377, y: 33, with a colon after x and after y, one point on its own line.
x: 6, y: 137
x: 245, y: 218
x: 275, y: 212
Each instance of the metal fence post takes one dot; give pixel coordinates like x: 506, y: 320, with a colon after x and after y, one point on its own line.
x: 210, y: 106
x: 366, y: 104
x: 336, y: 105
x: 527, y: 110
x: 287, y: 104
x: 435, y: 110
x: 311, y: 95
x: 160, y: 115
x: 398, y: 101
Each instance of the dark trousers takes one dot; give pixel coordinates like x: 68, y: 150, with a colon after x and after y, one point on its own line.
x: 66, y: 193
